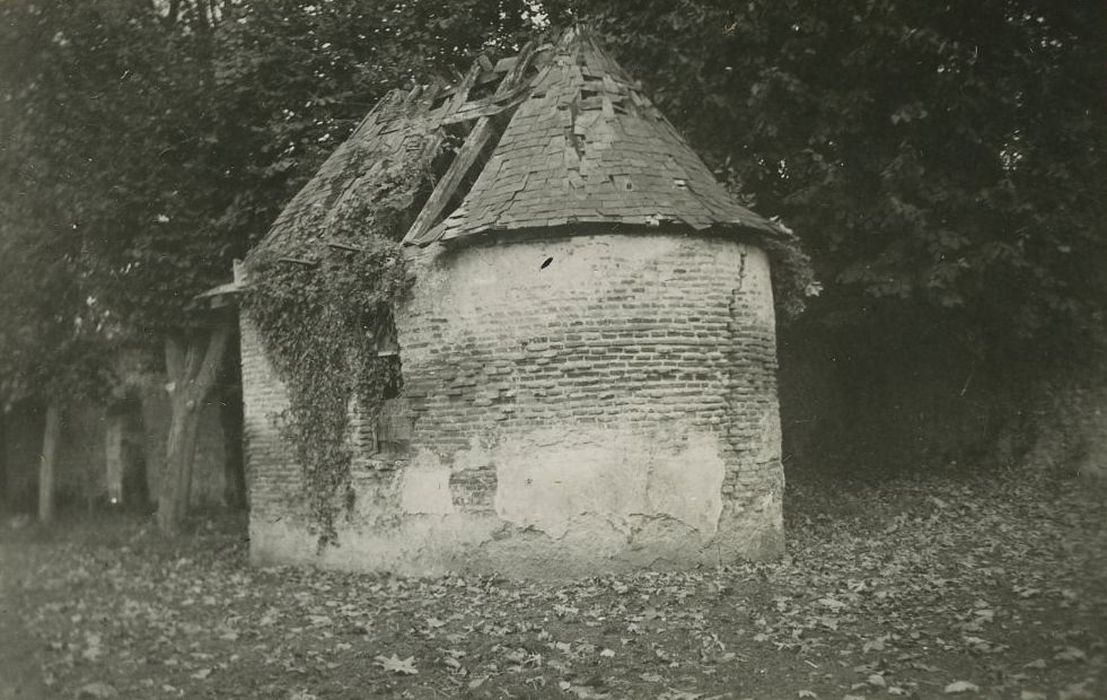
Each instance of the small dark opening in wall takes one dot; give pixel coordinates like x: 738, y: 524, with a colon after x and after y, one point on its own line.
x: 387, y: 347
x: 395, y: 384
x: 545, y: 263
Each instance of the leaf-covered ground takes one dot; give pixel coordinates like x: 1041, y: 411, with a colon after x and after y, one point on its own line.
x: 928, y: 588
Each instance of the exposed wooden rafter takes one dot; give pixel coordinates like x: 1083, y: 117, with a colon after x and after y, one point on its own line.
x: 488, y: 106
x: 475, y: 142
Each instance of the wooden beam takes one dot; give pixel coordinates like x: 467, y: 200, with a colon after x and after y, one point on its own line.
x: 300, y: 261
x: 480, y: 135
x: 488, y: 107
x: 344, y: 246
x: 461, y: 93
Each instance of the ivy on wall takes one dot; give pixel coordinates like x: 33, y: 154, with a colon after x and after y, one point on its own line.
x: 319, y: 320
x: 793, y: 277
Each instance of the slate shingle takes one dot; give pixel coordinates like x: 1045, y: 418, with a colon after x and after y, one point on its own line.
x: 569, y: 138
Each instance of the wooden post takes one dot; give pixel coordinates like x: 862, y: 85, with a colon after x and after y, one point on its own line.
x: 193, y: 363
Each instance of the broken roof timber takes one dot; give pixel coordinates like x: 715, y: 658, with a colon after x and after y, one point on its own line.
x: 488, y: 106
x: 587, y: 146
x: 475, y: 142
x: 567, y: 137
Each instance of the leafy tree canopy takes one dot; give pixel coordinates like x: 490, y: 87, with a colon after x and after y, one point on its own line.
x: 942, y: 158
x: 160, y: 140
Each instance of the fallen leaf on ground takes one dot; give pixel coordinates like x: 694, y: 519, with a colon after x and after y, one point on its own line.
x: 961, y: 687
x: 1071, y: 654
x: 395, y: 664
x: 97, y: 691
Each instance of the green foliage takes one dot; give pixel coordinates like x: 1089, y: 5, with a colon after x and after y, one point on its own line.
x: 292, y: 80
x: 147, y: 145
x: 105, y: 120
x: 793, y: 275
x: 163, y: 147
x: 943, y: 155
x: 51, y: 344
x: 320, y: 324
x: 942, y: 163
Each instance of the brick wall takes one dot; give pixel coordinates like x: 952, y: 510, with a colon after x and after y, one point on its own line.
x: 273, y: 477
x: 583, y: 403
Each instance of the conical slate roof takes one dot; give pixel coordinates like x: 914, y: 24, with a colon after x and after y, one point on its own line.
x: 586, y: 146
x: 555, y: 136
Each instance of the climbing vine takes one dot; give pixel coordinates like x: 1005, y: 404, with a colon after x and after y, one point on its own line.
x: 320, y: 302
x: 794, y: 280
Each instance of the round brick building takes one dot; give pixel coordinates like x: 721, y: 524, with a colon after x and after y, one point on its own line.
x: 588, y: 353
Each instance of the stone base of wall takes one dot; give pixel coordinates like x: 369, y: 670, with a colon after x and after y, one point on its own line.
x: 591, y: 544
x: 554, y: 502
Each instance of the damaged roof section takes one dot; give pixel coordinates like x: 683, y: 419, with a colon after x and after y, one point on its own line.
x: 557, y: 135
x: 586, y: 146
x: 391, y: 136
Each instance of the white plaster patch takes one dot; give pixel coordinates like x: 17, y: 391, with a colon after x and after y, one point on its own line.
x: 768, y: 445
x: 688, y: 486
x: 551, y: 477
x: 426, y: 489
x: 758, y: 286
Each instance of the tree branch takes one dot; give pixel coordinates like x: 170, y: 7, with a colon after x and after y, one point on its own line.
x: 174, y: 12
x: 194, y: 359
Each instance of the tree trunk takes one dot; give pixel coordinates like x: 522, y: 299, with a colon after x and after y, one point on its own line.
x: 176, y: 483
x: 113, y: 452
x: 234, y: 471
x: 193, y: 365
x: 51, y: 434
x: 5, y: 484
